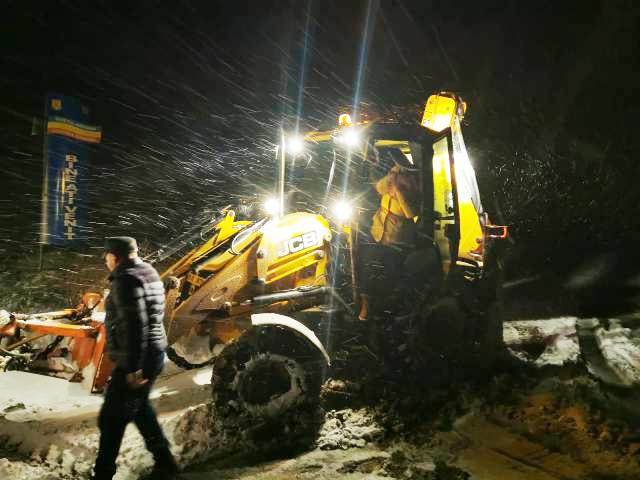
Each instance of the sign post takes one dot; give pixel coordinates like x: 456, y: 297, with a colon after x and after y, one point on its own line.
x: 65, y: 185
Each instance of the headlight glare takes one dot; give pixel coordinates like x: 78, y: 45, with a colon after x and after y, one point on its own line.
x: 271, y: 206
x: 342, y: 210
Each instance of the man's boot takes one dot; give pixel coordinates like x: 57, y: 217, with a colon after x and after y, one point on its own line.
x: 103, y: 472
x: 160, y: 473
x: 165, y: 467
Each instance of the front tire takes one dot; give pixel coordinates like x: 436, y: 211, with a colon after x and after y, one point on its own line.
x: 266, y: 388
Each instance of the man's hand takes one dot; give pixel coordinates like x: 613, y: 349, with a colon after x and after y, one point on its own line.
x: 135, y: 380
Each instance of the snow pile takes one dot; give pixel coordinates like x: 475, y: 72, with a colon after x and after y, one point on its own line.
x: 51, y: 425
x: 556, y: 336
x: 348, y: 429
x: 560, y: 350
x: 621, y: 350
x: 24, y: 471
x: 193, y: 434
x: 610, y: 351
x: 524, y: 331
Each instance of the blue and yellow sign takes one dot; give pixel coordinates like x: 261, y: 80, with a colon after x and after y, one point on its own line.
x: 66, y: 181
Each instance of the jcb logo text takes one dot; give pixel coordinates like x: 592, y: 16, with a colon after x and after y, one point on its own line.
x: 295, y: 244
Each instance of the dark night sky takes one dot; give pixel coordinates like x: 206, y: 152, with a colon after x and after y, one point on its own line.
x: 191, y: 94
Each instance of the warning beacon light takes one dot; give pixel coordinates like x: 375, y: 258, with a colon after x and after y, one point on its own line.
x: 295, y: 145
x: 344, y: 120
x: 441, y: 109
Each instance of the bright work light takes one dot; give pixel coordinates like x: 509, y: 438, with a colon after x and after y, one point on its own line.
x: 349, y: 137
x: 295, y: 145
x: 271, y: 207
x: 342, y: 210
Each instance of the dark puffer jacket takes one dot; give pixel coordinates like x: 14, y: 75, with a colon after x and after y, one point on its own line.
x: 134, y: 312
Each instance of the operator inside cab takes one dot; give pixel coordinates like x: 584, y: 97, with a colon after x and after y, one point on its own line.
x: 393, y: 227
x: 394, y: 221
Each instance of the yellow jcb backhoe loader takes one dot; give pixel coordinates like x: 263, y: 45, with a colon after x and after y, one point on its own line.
x: 245, y: 297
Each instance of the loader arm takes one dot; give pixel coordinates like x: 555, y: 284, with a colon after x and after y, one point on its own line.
x: 223, y: 232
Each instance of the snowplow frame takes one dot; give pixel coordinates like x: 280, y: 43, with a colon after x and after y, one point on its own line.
x: 87, y: 345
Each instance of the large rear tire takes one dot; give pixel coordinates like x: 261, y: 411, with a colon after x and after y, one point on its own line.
x: 459, y: 336
x: 441, y: 343
x: 491, y: 298
x: 266, y: 389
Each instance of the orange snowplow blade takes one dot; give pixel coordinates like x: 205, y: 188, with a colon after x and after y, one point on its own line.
x: 86, y: 346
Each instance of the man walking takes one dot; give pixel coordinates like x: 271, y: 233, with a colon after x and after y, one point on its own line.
x: 136, y: 342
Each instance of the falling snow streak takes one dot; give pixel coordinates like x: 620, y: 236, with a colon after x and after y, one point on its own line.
x: 189, y: 95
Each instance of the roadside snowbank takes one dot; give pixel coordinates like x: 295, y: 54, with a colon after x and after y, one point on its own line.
x: 609, y: 349
x: 53, y: 423
x: 48, y: 425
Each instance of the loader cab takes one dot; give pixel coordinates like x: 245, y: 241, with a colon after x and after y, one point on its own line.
x: 330, y: 171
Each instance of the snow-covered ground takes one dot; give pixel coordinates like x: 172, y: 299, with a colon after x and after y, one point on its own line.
x: 53, y: 422
x: 610, y: 350
x: 48, y: 425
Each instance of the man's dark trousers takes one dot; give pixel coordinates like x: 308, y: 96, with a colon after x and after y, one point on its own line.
x: 122, y: 405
